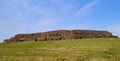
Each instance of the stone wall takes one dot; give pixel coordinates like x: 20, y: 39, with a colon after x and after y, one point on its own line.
x: 60, y: 35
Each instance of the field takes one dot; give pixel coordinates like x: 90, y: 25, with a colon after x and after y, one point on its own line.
x: 104, y: 49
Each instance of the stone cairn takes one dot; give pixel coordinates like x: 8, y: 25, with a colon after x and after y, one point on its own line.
x: 60, y: 35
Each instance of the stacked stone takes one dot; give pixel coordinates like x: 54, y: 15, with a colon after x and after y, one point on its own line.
x: 60, y: 35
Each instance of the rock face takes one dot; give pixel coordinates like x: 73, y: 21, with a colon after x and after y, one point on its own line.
x: 60, y: 35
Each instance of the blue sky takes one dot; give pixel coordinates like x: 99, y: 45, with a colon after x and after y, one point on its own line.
x: 31, y: 16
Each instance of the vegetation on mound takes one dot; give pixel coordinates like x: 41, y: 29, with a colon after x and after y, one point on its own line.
x: 104, y: 49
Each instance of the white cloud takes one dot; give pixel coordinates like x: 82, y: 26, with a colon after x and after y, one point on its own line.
x: 44, y: 25
x: 113, y: 28
x: 86, y: 9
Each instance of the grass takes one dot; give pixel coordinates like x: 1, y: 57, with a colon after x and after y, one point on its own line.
x: 104, y: 49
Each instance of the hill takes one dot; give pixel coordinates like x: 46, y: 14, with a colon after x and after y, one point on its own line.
x: 60, y: 35
x: 99, y: 49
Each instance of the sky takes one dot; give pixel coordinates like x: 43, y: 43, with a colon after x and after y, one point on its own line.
x: 31, y: 16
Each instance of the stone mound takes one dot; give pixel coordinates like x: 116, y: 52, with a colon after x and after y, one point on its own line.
x: 60, y: 35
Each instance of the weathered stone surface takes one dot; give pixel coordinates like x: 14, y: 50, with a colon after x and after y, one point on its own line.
x: 60, y: 35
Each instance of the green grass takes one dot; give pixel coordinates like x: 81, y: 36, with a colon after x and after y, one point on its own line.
x: 104, y: 49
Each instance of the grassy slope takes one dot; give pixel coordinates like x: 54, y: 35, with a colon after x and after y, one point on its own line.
x: 66, y: 50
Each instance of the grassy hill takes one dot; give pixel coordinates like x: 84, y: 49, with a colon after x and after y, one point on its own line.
x: 105, y: 49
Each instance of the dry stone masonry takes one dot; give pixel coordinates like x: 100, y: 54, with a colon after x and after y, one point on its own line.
x: 60, y: 35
